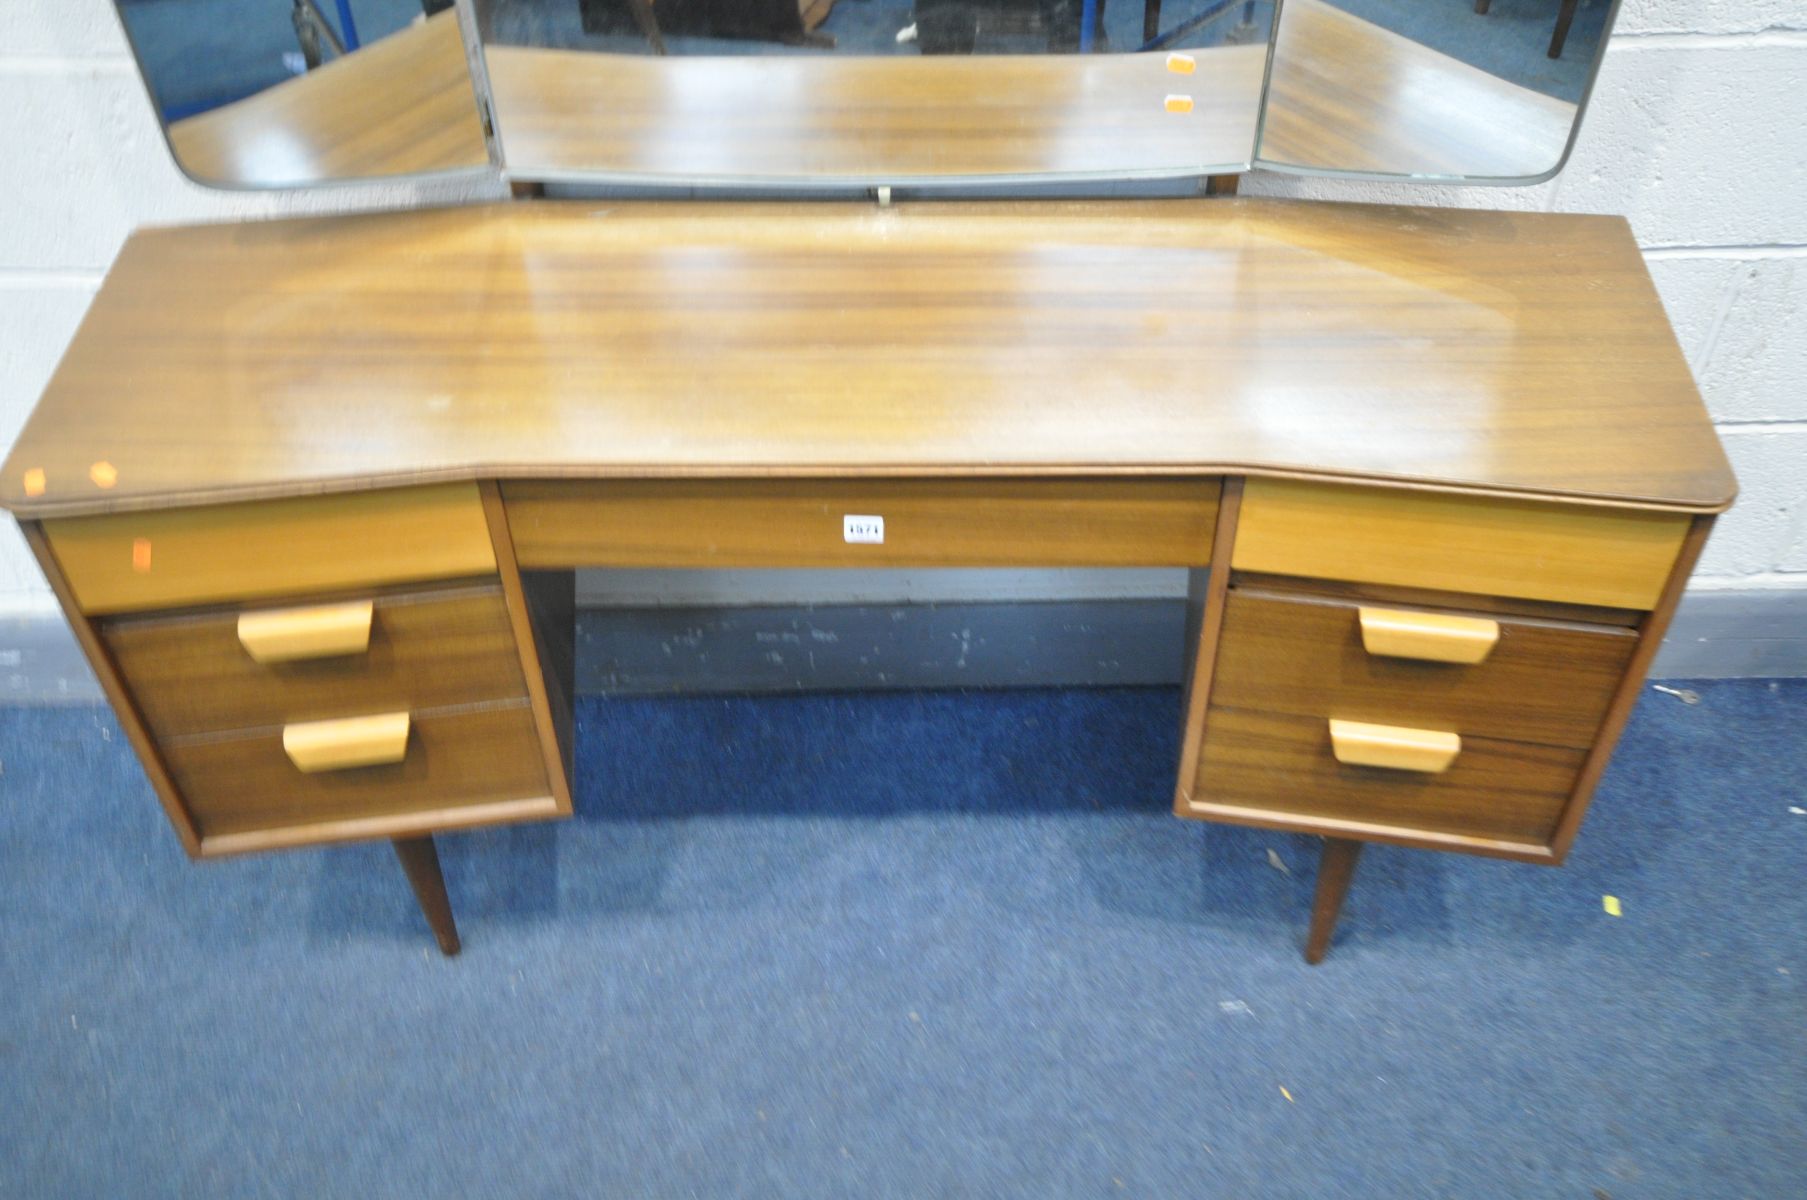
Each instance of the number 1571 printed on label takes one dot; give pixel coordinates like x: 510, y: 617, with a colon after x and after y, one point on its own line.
x: 858, y: 530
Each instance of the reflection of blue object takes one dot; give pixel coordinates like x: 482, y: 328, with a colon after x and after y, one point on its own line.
x: 1088, y: 17
x: 348, y: 28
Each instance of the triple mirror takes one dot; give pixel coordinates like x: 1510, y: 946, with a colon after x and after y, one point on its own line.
x: 285, y: 93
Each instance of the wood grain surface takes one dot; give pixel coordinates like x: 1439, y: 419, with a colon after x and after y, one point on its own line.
x: 927, y: 523
x: 1347, y: 95
x: 397, y: 106
x: 1488, y: 351
x: 274, y: 548
x: 1206, y: 592
x: 1650, y: 639
x: 1544, y: 682
x: 547, y: 654
x: 562, y: 114
x: 1507, y: 791
x: 245, y: 782
x: 410, y: 822
x: 1538, y: 551
x: 113, y: 686
x: 1493, y: 606
x: 427, y: 650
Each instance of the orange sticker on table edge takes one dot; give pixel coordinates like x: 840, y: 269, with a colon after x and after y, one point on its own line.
x: 1182, y: 64
x: 1179, y: 104
x: 104, y: 474
x: 35, y: 482
x: 141, y: 555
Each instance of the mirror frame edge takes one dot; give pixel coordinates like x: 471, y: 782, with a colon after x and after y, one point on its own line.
x: 485, y: 114
x: 1491, y: 181
x: 968, y: 186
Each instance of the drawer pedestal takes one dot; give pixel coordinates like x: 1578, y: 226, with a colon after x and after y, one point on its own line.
x: 295, y: 673
x: 1453, y: 676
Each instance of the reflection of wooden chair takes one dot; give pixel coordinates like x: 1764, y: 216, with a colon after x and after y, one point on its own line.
x: 1565, y: 17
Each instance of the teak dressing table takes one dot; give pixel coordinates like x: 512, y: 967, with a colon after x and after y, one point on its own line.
x: 312, y: 492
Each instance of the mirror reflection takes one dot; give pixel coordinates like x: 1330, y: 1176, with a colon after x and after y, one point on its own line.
x: 1431, y: 88
x: 874, y: 27
x: 874, y: 90
x: 282, y: 93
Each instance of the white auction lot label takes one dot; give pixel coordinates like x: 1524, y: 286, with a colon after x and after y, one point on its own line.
x: 869, y: 531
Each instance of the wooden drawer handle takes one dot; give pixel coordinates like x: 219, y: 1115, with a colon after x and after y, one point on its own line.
x: 1429, y: 751
x: 288, y: 634
x: 352, y: 742
x: 1430, y: 637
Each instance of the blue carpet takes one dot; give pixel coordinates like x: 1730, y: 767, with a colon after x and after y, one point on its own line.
x: 918, y: 944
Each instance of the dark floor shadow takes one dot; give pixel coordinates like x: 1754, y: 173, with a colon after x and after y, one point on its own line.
x: 506, y: 874
x: 1399, y: 895
x: 1221, y: 877
x: 647, y: 769
x: 359, y: 892
x: 514, y: 875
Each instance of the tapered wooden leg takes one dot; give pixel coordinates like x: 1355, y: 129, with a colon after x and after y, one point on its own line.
x: 420, y: 859
x: 1335, y: 870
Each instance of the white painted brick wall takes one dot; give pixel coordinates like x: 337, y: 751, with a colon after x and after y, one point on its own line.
x: 1696, y: 134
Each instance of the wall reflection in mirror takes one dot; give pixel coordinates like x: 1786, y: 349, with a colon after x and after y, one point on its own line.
x: 874, y: 91
x: 1478, y: 89
x: 285, y: 93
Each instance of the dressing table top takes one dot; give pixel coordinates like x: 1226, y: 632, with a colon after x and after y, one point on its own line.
x: 1497, y: 352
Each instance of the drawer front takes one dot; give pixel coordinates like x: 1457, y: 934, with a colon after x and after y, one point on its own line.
x: 185, y: 557
x: 1574, y: 554
x: 1283, y: 766
x: 927, y: 522
x: 235, y: 784
x: 191, y: 674
x: 1541, y: 681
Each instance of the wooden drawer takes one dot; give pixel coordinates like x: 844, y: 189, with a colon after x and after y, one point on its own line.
x: 1574, y: 554
x: 1269, y: 768
x: 799, y: 522
x: 177, y: 558
x: 189, y: 673
x: 1542, y: 681
x: 242, y: 783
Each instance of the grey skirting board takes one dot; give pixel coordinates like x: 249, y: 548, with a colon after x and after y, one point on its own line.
x: 844, y: 647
